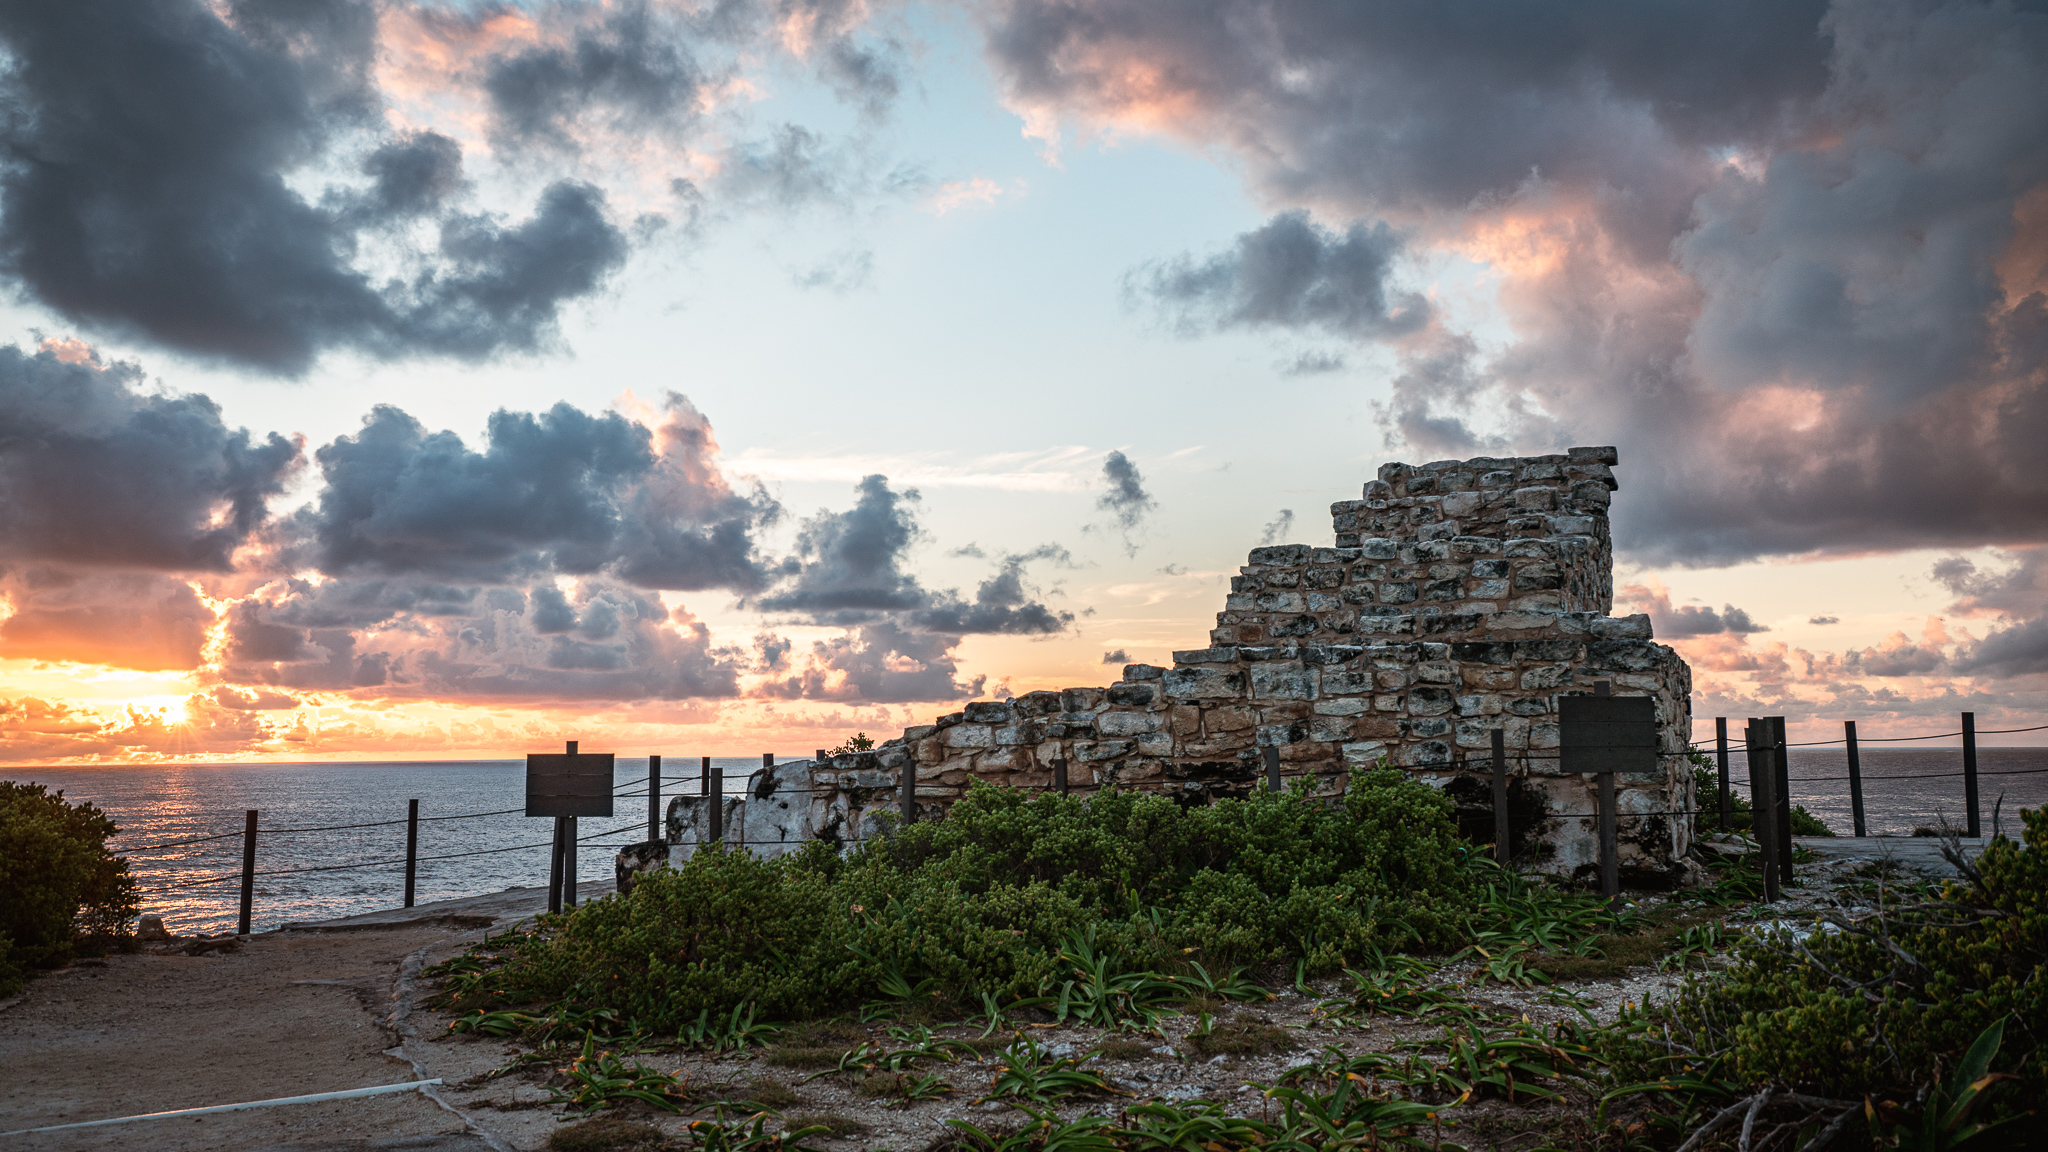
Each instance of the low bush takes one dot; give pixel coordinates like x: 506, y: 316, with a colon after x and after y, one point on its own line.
x: 60, y: 889
x: 1879, y: 1003
x: 996, y: 901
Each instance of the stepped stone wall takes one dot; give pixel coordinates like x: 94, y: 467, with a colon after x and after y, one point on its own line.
x: 1460, y: 598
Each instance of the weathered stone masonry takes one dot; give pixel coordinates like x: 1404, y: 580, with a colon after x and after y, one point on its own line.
x: 1460, y: 597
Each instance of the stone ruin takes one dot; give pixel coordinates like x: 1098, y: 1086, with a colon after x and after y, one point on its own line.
x: 1458, y: 597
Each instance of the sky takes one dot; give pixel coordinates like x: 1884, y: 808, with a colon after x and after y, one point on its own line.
x: 386, y: 380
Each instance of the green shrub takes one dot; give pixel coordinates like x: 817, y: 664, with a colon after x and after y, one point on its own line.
x: 982, y: 902
x: 1706, y: 779
x: 60, y: 889
x: 1885, y: 1004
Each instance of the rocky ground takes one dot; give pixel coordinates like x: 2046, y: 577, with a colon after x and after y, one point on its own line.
x: 302, y: 1010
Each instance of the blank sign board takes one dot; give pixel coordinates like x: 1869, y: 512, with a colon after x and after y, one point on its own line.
x: 569, y: 785
x: 1607, y: 733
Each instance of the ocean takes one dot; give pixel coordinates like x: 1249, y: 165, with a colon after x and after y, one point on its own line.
x: 194, y: 885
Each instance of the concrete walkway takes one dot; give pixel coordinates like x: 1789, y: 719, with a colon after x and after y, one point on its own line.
x: 1920, y: 854
x: 464, y: 911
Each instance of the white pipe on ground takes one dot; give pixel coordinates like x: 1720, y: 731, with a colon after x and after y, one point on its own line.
x: 315, y: 1098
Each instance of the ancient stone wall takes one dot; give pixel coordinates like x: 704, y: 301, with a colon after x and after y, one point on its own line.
x: 1461, y: 598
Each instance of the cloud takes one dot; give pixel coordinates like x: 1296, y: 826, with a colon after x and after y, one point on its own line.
x: 1290, y: 274
x: 2019, y: 650
x: 880, y: 662
x: 1278, y: 529
x: 1816, y: 301
x: 557, y: 492
x: 1127, y: 502
x: 849, y: 570
x: 2020, y: 589
x: 408, y: 639
x: 839, y: 273
x: 146, y: 193
x: 1824, y: 620
x: 132, y: 620
x: 979, y: 191
x: 96, y: 471
x: 1686, y: 620
x: 1116, y: 656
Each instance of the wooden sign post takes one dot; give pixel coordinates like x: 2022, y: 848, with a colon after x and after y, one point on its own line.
x: 566, y: 786
x: 1603, y: 735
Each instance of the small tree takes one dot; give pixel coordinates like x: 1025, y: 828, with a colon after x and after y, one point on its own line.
x: 59, y: 886
x: 860, y: 742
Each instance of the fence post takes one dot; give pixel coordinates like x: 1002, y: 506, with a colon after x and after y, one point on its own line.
x: 1782, y: 815
x: 1721, y: 753
x: 1970, y: 771
x: 412, y: 846
x: 1763, y: 806
x: 555, y: 870
x: 1610, y: 848
x: 1855, y: 776
x: 248, y: 869
x: 568, y: 861
x: 714, y: 794
x: 1500, y: 797
x: 906, y: 793
x: 1059, y: 774
x: 654, y: 797
x: 1272, y: 767
x: 767, y: 759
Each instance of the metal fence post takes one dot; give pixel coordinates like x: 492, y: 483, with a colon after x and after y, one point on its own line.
x: 248, y: 869
x: 1059, y: 774
x: 1970, y: 771
x: 1721, y: 753
x: 1272, y: 768
x: 412, y: 847
x: 1500, y: 797
x: 653, y: 797
x: 1762, y: 804
x: 1855, y: 776
x: 906, y: 793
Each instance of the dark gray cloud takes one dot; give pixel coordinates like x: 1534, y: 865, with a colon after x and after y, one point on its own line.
x: 1116, y: 656
x: 95, y: 470
x: 839, y: 273
x: 881, y: 662
x: 1824, y: 620
x: 1791, y: 258
x: 558, y: 492
x: 849, y: 570
x: 408, y: 638
x: 1690, y: 620
x: 622, y: 64
x: 145, y: 192
x: 1290, y: 273
x: 901, y: 638
x: 1126, y: 501
x: 1276, y: 531
x: 2020, y: 589
x: 2019, y: 650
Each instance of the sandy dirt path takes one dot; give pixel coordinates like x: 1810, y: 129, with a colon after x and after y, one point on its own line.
x: 287, y: 1013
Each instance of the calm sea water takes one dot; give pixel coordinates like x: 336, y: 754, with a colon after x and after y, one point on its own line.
x: 157, y: 803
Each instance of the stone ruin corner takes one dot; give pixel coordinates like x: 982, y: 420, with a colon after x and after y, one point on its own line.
x: 1456, y: 598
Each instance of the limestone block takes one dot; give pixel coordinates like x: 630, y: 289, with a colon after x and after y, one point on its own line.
x: 1028, y: 732
x: 1128, y: 723
x: 1204, y: 683
x: 1428, y: 700
x: 1635, y: 627
x: 1344, y: 706
x: 1129, y: 695
x: 1155, y: 744
x: 1034, y: 704
x: 970, y: 736
x: 1285, y: 680
x: 1095, y: 751
x: 1228, y: 719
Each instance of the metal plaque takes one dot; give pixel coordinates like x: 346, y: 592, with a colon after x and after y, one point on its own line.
x: 1607, y: 733
x: 576, y: 784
